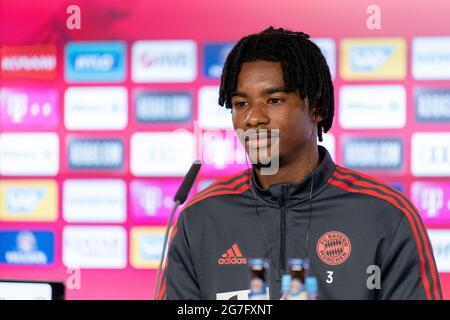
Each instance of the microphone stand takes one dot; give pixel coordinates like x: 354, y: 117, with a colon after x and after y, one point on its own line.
x: 166, y: 236
x: 179, y: 199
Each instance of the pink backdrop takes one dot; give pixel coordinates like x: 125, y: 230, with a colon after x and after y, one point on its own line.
x: 44, y: 22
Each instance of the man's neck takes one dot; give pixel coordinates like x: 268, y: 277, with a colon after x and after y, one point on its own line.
x: 291, y: 170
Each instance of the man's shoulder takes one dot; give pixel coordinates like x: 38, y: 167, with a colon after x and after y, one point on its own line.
x: 367, y: 187
x: 231, y: 185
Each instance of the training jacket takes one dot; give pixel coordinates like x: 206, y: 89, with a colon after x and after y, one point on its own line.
x: 357, y: 224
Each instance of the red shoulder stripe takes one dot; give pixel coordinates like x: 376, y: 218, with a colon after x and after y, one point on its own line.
x: 216, y: 188
x: 221, y: 186
x: 383, y: 187
x: 162, y: 291
x: 216, y: 193
x: 222, y: 183
x: 341, y: 185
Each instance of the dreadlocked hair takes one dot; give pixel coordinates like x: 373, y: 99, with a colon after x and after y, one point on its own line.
x: 303, y: 64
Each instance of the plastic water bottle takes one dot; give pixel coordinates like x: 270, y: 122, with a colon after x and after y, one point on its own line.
x: 285, y: 286
x: 311, y: 288
x: 298, y: 269
x: 259, y: 271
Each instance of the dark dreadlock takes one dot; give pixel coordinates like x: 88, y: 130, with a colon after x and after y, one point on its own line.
x: 304, y: 69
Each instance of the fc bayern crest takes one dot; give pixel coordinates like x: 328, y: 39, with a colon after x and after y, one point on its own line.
x: 334, y: 248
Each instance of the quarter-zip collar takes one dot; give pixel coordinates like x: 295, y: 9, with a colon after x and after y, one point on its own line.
x: 294, y: 193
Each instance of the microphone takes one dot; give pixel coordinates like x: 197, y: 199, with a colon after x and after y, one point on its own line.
x: 179, y: 199
x: 187, y: 183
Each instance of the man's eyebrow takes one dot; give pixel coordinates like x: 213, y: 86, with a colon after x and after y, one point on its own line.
x: 266, y: 91
x: 239, y: 94
x: 276, y: 90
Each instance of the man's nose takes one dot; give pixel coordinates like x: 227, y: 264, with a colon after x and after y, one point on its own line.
x: 256, y: 116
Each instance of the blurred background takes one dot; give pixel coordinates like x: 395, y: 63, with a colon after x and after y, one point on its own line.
x: 105, y: 104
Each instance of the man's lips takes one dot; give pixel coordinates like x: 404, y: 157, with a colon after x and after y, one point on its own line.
x: 261, y: 141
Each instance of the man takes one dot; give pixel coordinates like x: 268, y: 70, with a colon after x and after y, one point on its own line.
x: 364, y: 239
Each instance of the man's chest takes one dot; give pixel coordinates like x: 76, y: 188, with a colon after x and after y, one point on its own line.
x: 341, y: 258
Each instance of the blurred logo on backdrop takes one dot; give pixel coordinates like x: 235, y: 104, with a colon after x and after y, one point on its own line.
x: 95, y: 61
x: 210, y: 114
x: 372, y: 107
x: 214, y: 58
x: 431, y: 58
x: 146, y: 247
x: 29, y: 154
x: 94, y: 200
x: 92, y: 247
x: 430, y: 154
x: 152, y: 200
x: 161, y: 154
x: 432, y: 199
x: 104, y: 154
x: 432, y: 105
x: 27, y: 247
x: 96, y: 108
x: 28, y: 200
x: 27, y: 108
x: 164, y: 61
x: 373, y: 59
x: 372, y: 153
x: 151, y: 107
x: 440, y: 241
x: 28, y: 62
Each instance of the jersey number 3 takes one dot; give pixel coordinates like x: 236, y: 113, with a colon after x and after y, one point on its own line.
x: 330, y: 277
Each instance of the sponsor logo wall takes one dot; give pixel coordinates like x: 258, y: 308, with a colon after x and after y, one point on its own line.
x: 95, y: 140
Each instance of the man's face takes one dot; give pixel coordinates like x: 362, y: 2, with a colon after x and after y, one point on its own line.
x: 261, y: 102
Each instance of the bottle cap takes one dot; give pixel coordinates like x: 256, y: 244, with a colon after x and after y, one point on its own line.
x: 295, y: 261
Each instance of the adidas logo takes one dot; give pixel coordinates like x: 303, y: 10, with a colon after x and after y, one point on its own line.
x: 233, y: 256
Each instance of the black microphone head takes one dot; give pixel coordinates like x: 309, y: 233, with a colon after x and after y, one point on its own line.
x: 187, y: 183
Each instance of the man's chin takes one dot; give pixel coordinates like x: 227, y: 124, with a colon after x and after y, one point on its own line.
x: 267, y: 168
x: 265, y: 162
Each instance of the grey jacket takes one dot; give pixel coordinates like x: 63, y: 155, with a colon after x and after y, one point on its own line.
x: 355, y: 231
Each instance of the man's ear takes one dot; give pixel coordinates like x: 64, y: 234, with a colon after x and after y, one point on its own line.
x: 314, y: 112
x: 316, y: 117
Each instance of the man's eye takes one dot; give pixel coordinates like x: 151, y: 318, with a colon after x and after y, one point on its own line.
x: 275, y: 101
x: 239, y: 104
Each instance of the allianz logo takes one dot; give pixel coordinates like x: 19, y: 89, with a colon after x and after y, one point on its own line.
x: 100, y: 62
x: 27, y: 251
x: 23, y: 200
x: 369, y: 59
